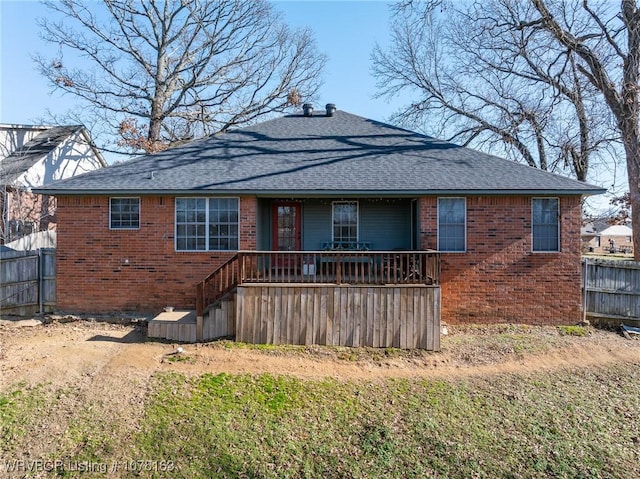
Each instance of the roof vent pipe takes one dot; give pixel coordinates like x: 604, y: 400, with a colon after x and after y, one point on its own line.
x: 331, y: 109
x: 307, y: 109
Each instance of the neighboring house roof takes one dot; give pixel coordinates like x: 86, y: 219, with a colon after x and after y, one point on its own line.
x: 603, y: 227
x: 19, y: 161
x: 343, y: 154
x: 617, y: 230
x: 593, y: 227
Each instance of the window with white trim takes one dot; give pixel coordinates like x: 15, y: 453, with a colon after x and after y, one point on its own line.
x: 452, y: 224
x: 545, y: 224
x: 207, y: 224
x: 345, y: 221
x: 124, y: 213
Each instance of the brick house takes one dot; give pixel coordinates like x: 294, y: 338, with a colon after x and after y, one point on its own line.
x: 34, y: 156
x: 315, y: 219
x: 608, y: 239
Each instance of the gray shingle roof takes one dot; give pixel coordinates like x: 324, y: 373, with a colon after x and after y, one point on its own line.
x: 20, y: 160
x: 319, y: 155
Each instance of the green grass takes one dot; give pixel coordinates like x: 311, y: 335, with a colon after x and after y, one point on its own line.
x: 569, y: 424
x: 180, y: 358
x: 19, y: 410
x: 338, y: 352
x: 574, y: 423
x: 573, y: 330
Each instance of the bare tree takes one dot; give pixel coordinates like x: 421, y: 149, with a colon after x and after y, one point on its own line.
x: 548, y: 82
x: 479, y: 79
x: 158, y: 73
x: 610, y: 51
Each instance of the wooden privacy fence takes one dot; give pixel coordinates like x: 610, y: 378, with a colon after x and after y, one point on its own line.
x: 611, y: 289
x: 27, y: 282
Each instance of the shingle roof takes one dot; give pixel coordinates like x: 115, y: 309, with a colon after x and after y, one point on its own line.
x: 22, y: 159
x: 617, y: 230
x: 319, y: 155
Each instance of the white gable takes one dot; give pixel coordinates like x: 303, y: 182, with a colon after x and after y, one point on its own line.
x: 68, y: 156
x: 617, y: 230
x: 14, y: 137
x: 72, y: 157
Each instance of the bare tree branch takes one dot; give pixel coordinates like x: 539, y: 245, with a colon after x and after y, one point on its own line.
x: 169, y: 70
x: 554, y: 84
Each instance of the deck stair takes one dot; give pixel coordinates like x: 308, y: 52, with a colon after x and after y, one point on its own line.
x: 296, y: 288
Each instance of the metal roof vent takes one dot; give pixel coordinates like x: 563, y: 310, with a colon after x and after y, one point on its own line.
x: 307, y: 109
x: 331, y: 109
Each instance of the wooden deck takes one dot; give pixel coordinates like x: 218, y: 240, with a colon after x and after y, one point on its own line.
x: 319, y: 267
x: 337, y: 298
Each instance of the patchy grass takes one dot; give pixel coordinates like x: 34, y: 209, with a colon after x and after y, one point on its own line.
x: 469, y: 344
x: 573, y: 330
x: 484, y: 344
x: 179, y: 358
x: 568, y: 424
x: 579, y: 422
x: 336, y: 352
x: 22, y: 409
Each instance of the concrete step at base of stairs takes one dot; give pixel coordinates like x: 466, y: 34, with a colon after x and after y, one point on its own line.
x: 174, y: 325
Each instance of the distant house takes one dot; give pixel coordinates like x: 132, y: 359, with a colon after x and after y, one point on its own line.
x: 35, y: 156
x: 322, y: 228
x: 608, y: 239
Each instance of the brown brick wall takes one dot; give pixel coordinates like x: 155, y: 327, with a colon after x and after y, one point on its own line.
x: 499, y: 279
x: 102, y: 270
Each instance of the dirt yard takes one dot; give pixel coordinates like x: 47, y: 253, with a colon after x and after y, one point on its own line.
x: 104, y: 369
x: 94, y: 354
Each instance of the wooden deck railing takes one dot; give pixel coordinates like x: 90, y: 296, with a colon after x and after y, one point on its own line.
x: 217, y: 284
x: 336, y: 267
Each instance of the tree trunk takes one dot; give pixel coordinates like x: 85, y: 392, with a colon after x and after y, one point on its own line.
x: 632, y: 150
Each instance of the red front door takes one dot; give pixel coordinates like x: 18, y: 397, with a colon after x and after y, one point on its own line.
x: 287, y: 221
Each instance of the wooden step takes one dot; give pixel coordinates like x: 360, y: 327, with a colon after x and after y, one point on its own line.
x: 174, y: 325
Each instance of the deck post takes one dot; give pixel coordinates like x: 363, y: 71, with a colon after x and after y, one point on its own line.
x: 199, y: 329
x: 199, y: 312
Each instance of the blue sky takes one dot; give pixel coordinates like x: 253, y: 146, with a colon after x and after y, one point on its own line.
x: 346, y: 31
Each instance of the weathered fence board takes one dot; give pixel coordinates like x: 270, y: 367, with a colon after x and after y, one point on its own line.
x: 28, y: 281
x: 611, y: 289
x: 379, y: 316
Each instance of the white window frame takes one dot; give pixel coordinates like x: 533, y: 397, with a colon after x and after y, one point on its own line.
x: 464, y: 199
x: 533, y: 250
x: 206, y: 223
x: 125, y: 228
x: 333, y: 204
